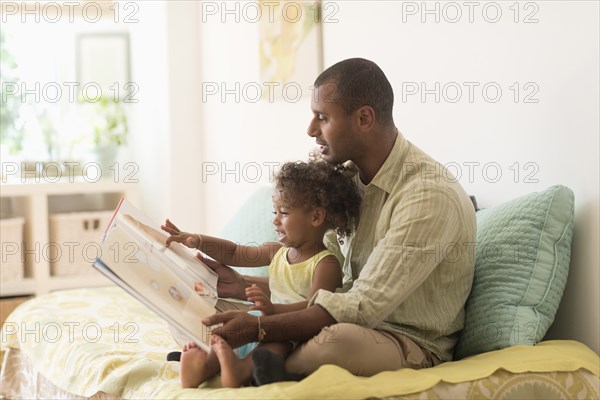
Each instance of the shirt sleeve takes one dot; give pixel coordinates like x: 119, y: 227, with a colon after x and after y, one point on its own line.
x: 422, y: 224
x: 330, y: 240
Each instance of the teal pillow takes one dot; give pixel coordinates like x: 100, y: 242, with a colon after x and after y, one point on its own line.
x: 521, y: 266
x: 253, y: 225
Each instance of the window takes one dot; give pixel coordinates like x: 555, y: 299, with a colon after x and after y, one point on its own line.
x: 46, y: 116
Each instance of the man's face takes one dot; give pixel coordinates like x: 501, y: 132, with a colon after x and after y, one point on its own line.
x: 332, y: 127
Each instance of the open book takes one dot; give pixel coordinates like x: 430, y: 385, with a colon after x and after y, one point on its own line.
x: 170, y: 281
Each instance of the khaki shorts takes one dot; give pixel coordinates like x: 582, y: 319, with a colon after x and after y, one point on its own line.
x: 360, y: 350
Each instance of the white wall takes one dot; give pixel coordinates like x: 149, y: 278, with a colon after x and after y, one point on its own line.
x: 554, y: 140
x: 244, y: 139
x: 200, y: 155
x: 166, y: 125
x: 149, y: 122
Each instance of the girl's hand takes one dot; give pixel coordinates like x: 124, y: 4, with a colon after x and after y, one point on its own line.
x: 260, y: 299
x: 191, y: 240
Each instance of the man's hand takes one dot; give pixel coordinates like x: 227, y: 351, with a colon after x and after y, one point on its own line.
x: 261, y: 300
x: 191, y: 240
x: 231, y: 284
x: 238, y: 328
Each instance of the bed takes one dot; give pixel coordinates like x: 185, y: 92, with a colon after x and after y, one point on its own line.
x: 100, y: 343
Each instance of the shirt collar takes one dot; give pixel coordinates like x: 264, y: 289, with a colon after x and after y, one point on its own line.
x: 389, y: 173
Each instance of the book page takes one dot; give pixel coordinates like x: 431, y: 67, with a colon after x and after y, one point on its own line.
x: 141, y: 268
x: 149, y: 234
x: 171, y: 281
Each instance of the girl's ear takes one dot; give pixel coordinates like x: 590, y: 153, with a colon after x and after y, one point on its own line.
x: 318, y: 216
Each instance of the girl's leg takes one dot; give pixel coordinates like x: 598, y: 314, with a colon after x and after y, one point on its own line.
x: 197, y: 366
x: 236, y: 372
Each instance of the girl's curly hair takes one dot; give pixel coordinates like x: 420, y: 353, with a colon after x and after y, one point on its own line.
x: 317, y: 183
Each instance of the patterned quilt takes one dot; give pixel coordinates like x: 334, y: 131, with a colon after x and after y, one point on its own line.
x: 101, y: 342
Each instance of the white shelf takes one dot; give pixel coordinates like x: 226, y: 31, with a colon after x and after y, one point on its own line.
x: 35, y: 201
x: 21, y: 288
x: 63, y: 186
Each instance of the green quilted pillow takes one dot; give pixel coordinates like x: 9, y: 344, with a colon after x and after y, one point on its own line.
x: 252, y: 225
x: 521, y: 267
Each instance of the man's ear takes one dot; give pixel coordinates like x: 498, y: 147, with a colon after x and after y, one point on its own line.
x: 365, y: 117
x: 318, y: 216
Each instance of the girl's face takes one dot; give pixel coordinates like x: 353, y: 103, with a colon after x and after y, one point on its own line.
x: 293, y: 225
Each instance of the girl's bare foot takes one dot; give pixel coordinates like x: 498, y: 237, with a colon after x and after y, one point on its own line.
x: 234, y: 372
x: 196, y: 366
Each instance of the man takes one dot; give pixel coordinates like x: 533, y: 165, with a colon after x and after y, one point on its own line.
x: 410, y: 262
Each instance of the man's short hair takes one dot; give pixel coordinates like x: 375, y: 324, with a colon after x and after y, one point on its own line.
x: 358, y: 83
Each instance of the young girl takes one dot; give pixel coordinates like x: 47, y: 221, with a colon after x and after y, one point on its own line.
x: 310, y: 199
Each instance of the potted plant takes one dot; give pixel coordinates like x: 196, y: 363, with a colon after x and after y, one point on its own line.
x: 109, y: 131
x: 12, y: 128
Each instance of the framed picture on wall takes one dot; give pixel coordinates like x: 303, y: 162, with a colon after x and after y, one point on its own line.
x: 290, y: 47
x: 103, y: 65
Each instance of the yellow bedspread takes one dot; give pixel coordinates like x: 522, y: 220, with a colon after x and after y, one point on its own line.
x: 87, y: 341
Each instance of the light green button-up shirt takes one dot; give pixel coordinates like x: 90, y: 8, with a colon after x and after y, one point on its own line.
x: 409, y: 265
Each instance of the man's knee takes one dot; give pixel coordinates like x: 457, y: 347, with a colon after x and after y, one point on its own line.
x: 345, y: 335
x: 338, y: 344
x: 321, y: 349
